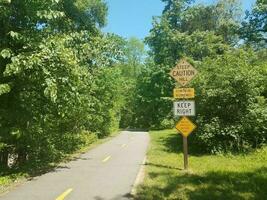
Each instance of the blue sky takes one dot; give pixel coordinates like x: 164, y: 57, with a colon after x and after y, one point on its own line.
x: 133, y: 18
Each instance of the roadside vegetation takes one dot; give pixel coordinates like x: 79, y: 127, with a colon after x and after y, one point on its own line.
x: 223, y: 176
x: 62, y: 81
x: 228, y: 149
x: 65, y: 84
x: 231, y: 86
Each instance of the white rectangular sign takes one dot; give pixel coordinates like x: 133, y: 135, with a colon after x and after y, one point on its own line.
x: 184, y: 108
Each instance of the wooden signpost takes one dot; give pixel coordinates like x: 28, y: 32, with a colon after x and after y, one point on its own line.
x: 183, y: 73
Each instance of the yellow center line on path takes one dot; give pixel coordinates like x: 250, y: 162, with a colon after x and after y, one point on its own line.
x: 123, y: 145
x: 64, y: 194
x: 106, y: 159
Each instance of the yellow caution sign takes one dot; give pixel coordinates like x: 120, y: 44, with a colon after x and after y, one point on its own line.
x: 185, y: 126
x: 183, y: 72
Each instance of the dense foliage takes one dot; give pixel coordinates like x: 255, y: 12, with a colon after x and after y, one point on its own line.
x: 254, y: 28
x: 230, y: 89
x: 59, y: 88
x: 231, y: 85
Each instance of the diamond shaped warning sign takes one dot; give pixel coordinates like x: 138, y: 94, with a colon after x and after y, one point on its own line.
x: 185, y: 126
x: 184, y: 72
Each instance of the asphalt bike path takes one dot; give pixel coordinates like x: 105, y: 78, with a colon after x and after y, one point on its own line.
x: 106, y: 172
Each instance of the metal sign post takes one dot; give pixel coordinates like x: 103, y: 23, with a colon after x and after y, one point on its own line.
x: 183, y: 73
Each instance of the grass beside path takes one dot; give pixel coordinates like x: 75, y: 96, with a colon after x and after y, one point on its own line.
x: 231, y: 177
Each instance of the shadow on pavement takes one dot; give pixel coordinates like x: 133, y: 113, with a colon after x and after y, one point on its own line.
x: 127, y: 196
x: 136, y: 130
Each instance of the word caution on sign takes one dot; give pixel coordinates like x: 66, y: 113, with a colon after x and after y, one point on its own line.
x: 183, y: 73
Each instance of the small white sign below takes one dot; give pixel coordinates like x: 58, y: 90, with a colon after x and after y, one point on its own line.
x: 184, y: 108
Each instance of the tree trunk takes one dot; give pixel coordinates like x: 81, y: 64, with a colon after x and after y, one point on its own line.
x: 4, y: 158
x: 22, y: 157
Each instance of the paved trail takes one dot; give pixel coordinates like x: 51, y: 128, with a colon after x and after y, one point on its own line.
x: 107, y: 172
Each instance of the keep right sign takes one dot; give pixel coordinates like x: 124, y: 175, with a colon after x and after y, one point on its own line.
x: 184, y: 108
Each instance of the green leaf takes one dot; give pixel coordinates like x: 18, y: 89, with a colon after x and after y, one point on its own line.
x: 14, y: 35
x: 5, y: 1
x: 6, y: 53
x: 4, y: 88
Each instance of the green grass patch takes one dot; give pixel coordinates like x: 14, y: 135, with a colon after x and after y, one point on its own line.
x: 10, y: 178
x: 231, y: 177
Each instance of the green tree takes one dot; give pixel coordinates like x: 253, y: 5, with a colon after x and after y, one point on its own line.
x: 134, y: 56
x: 183, y: 30
x: 230, y: 89
x: 195, y: 31
x: 54, y: 85
x: 254, y: 29
x: 131, y: 67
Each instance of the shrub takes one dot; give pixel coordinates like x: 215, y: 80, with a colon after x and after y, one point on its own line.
x: 231, y: 111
